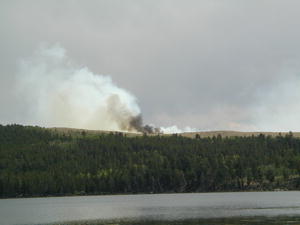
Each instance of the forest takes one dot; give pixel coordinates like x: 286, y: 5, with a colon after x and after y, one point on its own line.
x: 36, y: 161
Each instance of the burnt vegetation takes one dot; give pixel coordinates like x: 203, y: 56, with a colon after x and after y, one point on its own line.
x: 40, y: 162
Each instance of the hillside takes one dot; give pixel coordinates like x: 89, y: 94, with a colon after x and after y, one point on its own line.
x: 36, y: 161
x: 79, y: 132
x: 74, y: 131
x: 236, y: 134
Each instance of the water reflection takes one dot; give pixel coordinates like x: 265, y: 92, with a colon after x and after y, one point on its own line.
x: 158, y: 207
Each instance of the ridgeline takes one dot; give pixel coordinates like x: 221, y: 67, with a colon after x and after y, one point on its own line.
x: 37, y: 161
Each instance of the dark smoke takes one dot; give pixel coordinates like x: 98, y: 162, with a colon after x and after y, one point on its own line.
x: 136, y: 123
x: 151, y: 130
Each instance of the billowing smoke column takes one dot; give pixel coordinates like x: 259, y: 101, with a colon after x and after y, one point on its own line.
x: 58, y: 93
x: 53, y: 92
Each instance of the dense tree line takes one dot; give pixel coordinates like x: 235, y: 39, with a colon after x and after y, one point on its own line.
x: 40, y: 162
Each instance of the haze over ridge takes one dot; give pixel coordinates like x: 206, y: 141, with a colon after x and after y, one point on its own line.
x: 209, y: 65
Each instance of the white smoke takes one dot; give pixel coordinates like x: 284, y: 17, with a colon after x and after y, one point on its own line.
x: 52, y: 91
x: 55, y: 92
x: 174, y: 129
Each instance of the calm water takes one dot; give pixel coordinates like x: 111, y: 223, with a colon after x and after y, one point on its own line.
x: 180, y: 209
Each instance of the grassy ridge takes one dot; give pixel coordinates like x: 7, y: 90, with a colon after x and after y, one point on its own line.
x: 74, y: 131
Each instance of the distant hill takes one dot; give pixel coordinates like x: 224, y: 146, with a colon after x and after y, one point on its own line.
x: 78, y: 131
x: 36, y: 161
x: 236, y: 134
x: 223, y: 133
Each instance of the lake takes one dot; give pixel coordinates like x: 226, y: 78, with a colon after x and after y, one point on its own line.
x: 237, y: 208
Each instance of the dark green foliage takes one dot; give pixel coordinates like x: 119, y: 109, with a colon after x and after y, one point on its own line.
x: 37, y: 162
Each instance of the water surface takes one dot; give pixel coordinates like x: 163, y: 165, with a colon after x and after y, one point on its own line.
x: 181, y: 209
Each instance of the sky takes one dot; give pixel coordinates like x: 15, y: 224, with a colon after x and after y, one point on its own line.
x: 205, y: 64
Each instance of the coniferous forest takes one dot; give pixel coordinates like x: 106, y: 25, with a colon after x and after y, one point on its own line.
x: 36, y: 161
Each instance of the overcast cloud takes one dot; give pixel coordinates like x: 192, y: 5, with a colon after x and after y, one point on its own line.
x: 207, y: 64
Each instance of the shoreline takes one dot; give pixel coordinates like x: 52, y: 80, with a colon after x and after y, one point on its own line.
x: 147, y: 193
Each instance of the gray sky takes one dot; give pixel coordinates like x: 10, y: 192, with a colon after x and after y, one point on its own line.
x: 208, y: 64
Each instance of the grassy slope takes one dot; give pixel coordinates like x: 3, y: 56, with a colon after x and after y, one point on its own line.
x: 74, y: 131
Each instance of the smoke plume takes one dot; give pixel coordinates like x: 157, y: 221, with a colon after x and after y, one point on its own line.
x: 58, y: 93
x: 52, y: 91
